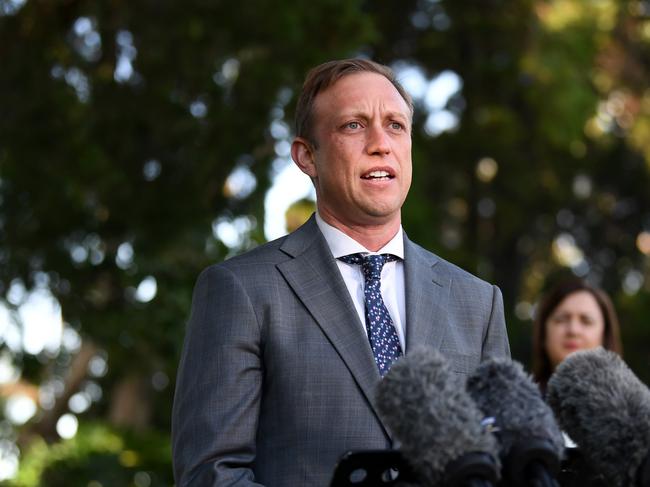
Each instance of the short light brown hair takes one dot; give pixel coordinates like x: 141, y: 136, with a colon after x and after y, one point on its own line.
x: 325, y: 75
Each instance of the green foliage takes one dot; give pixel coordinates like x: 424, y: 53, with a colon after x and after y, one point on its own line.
x: 96, y: 456
x: 94, y: 157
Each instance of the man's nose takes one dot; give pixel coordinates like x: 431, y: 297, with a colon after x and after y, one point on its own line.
x: 378, y: 141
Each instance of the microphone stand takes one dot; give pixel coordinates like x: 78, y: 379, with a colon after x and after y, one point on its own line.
x: 472, y: 470
x: 643, y: 474
x: 533, y: 464
x: 540, y: 476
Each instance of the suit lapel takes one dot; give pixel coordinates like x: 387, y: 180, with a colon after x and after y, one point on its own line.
x: 427, y: 297
x: 316, y: 280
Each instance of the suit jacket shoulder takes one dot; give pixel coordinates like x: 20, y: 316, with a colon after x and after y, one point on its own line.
x: 452, y: 310
x: 445, y: 267
x: 281, y: 249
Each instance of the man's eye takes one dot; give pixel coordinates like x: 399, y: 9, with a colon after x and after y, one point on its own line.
x: 353, y: 125
x: 396, y: 126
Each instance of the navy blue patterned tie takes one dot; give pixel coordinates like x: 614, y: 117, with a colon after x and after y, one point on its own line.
x: 381, y: 331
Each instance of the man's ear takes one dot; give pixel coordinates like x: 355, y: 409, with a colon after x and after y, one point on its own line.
x: 302, y: 153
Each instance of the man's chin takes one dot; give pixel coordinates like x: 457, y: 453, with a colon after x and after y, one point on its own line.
x: 380, y: 216
x: 382, y: 210
x: 365, y: 214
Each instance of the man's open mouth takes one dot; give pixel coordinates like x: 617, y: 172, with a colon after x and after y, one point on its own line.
x: 383, y: 175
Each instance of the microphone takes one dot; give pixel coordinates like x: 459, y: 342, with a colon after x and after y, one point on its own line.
x: 605, y: 409
x: 531, y: 443
x: 426, y: 406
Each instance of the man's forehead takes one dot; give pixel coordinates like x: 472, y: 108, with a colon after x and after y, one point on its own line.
x: 357, y: 90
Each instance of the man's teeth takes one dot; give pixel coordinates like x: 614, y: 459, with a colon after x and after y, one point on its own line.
x: 377, y: 174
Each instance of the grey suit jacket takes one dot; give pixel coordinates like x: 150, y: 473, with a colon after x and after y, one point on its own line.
x: 277, y: 378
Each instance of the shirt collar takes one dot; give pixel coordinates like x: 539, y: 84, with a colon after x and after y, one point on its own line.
x: 341, y: 244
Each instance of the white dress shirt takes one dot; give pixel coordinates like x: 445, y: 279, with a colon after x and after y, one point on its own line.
x: 392, y: 275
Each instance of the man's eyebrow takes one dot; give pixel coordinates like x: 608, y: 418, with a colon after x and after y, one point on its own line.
x: 394, y: 114
x: 353, y: 113
x: 363, y: 114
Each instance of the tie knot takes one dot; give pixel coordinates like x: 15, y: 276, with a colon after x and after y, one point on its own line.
x: 371, y: 264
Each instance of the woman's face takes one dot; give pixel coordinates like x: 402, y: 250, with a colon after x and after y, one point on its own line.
x: 575, y: 324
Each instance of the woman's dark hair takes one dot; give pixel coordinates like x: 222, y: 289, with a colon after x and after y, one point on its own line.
x: 542, y: 368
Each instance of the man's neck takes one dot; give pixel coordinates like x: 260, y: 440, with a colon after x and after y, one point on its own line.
x: 371, y: 236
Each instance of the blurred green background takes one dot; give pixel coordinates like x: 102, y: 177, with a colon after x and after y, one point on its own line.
x: 142, y: 141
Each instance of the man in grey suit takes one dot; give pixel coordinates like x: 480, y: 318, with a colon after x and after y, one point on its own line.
x: 287, y: 343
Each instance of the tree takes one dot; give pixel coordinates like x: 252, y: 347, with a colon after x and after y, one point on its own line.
x: 126, y: 130
x: 547, y: 168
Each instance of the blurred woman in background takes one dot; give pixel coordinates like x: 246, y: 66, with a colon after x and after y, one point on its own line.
x: 572, y: 316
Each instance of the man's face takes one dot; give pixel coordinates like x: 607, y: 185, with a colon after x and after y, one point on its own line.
x: 361, y: 165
